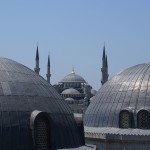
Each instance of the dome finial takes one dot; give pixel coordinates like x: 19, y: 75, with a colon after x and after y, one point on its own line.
x: 73, y: 70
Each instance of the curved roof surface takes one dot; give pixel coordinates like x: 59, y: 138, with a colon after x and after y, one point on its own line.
x: 69, y: 99
x: 70, y: 91
x: 72, y: 77
x: 21, y: 92
x: 129, y: 88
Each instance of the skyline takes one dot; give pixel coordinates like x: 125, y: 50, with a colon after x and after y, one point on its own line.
x: 74, y: 32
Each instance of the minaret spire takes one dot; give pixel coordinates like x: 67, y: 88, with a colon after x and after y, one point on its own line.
x: 103, y: 58
x: 104, y: 68
x: 106, y: 62
x: 37, y: 69
x: 48, y: 75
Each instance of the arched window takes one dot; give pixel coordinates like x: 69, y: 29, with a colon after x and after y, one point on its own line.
x: 41, y: 130
x: 42, y: 136
x: 125, y: 119
x: 143, y: 119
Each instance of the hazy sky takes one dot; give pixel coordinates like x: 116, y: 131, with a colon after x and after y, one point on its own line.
x: 74, y: 31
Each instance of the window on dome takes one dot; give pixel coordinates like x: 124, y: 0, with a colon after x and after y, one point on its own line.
x: 42, y: 134
x: 41, y: 130
x: 125, y: 119
x: 143, y: 119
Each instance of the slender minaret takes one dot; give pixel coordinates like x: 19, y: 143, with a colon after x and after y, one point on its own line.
x: 104, y: 68
x: 107, y: 68
x: 37, y: 69
x: 48, y: 75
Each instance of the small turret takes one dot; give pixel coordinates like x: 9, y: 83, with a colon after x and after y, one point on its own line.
x: 48, y: 75
x: 37, y: 69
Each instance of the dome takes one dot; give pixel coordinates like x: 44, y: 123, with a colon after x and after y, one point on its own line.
x: 69, y: 99
x: 72, y: 77
x: 129, y: 89
x: 71, y: 91
x: 25, y: 95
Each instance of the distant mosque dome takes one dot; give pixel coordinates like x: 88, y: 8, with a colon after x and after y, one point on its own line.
x: 71, y: 91
x: 33, y: 114
x: 73, y: 77
x: 69, y: 99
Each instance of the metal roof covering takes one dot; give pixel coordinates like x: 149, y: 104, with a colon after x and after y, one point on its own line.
x: 129, y: 88
x: 73, y: 77
x: 86, y: 147
x: 71, y: 91
x: 105, y: 132
x: 21, y: 92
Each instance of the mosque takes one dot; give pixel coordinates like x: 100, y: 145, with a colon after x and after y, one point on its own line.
x: 34, y: 116
x: 73, y: 88
x: 76, y: 92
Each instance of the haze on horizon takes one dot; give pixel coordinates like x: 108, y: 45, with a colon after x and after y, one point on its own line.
x: 74, y: 32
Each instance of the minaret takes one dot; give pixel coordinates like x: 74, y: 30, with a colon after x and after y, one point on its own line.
x: 104, y: 68
x: 37, y: 69
x: 48, y: 75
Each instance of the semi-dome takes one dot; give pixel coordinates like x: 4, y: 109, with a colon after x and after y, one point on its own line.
x: 129, y: 92
x: 71, y: 91
x: 29, y: 107
x: 73, y: 77
x: 69, y: 99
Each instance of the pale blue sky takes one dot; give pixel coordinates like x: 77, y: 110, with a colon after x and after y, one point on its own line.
x: 74, y: 32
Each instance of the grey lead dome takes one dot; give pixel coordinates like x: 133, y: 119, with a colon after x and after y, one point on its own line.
x: 70, y: 91
x: 22, y: 91
x: 128, y: 89
x: 72, y: 77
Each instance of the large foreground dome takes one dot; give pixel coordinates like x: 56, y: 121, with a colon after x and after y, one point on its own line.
x: 32, y: 114
x: 128, y: 90
x: 118, y: 117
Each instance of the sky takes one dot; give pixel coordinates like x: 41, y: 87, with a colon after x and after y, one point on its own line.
x: 73, y: 32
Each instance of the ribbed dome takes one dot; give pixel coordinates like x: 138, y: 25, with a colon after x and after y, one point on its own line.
x: 22, y: 91
x: 128, y: 89
x: 72, y: 77
x: 71, y: 91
